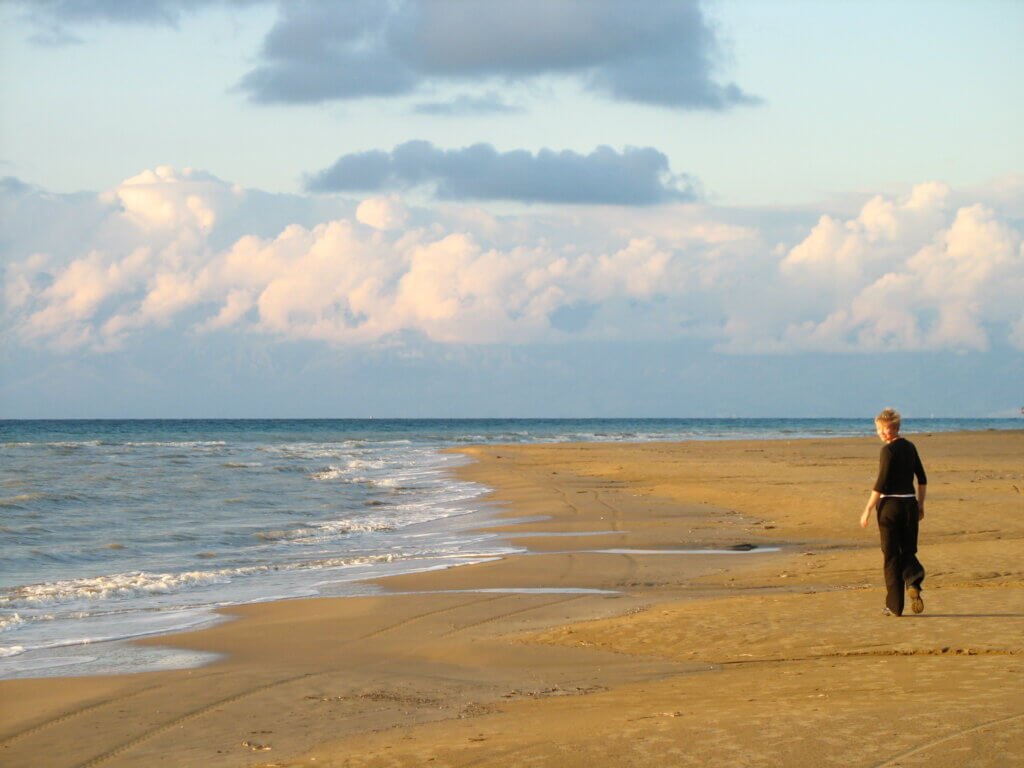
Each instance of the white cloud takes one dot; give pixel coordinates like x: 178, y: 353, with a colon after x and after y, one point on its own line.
x: 237, y: 304
x: 907, y: 275
x: 23, y: 280
x: 178, y: 249
x: 166, y: 199
x: 385, y: 212
x: 930, y: 195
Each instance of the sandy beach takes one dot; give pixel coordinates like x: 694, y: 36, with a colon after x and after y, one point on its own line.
x: 611, y: 642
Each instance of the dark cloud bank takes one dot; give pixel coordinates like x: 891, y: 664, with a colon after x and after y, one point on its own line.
x: 656, y: 52
x: 54, y: 19
x: 661, y: 52
x: 467, y: 104
x: 636, y: 176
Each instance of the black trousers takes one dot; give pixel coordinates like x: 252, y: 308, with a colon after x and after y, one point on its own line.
x: 897, y: 523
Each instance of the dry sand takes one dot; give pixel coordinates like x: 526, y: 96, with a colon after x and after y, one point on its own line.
x: 734, y: 659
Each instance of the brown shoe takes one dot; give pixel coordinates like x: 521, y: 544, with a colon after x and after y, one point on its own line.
x: 916, y: 603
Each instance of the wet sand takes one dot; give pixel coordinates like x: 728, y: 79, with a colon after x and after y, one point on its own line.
x: 726, y: 658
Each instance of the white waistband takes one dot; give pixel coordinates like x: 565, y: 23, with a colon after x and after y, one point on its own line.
x: 898, y: 496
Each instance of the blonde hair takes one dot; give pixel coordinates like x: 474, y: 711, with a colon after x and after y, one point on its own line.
x: 890, y: 417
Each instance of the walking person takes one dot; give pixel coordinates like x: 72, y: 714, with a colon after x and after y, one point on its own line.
x: 899, y: 512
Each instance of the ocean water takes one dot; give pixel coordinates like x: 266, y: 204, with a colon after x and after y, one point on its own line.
x: 116, y: 529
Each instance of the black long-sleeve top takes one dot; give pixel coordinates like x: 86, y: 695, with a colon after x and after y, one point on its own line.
x: 898, y: 464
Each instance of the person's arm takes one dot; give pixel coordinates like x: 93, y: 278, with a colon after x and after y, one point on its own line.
x: 884, y: 460
x: 884, y: 457
x: 869, y: 507
x: 922, y: 484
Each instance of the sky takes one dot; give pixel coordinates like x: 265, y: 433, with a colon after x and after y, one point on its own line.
x: 460, y: 208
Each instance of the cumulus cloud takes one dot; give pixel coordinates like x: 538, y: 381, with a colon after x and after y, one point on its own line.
x: 382, y: 212
x: 460, y: 276
x: 906, y: 274
x: 635, y: 176
x: 171, y: 249
x: 166, y: 199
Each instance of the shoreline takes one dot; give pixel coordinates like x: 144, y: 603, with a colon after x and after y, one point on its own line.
x: 480, y: 678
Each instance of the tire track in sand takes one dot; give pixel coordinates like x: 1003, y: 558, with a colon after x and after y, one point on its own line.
x: 419, y: 616
x: 153, y: 732
x: 97, y: 707
x: 613, y: 511
x: 613, y: 524
x: 506, y: 615
x: 31, y: 730
x: 894, y: 761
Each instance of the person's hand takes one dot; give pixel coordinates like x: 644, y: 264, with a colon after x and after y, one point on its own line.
x: 864, y: 518
x: 920, y: 510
